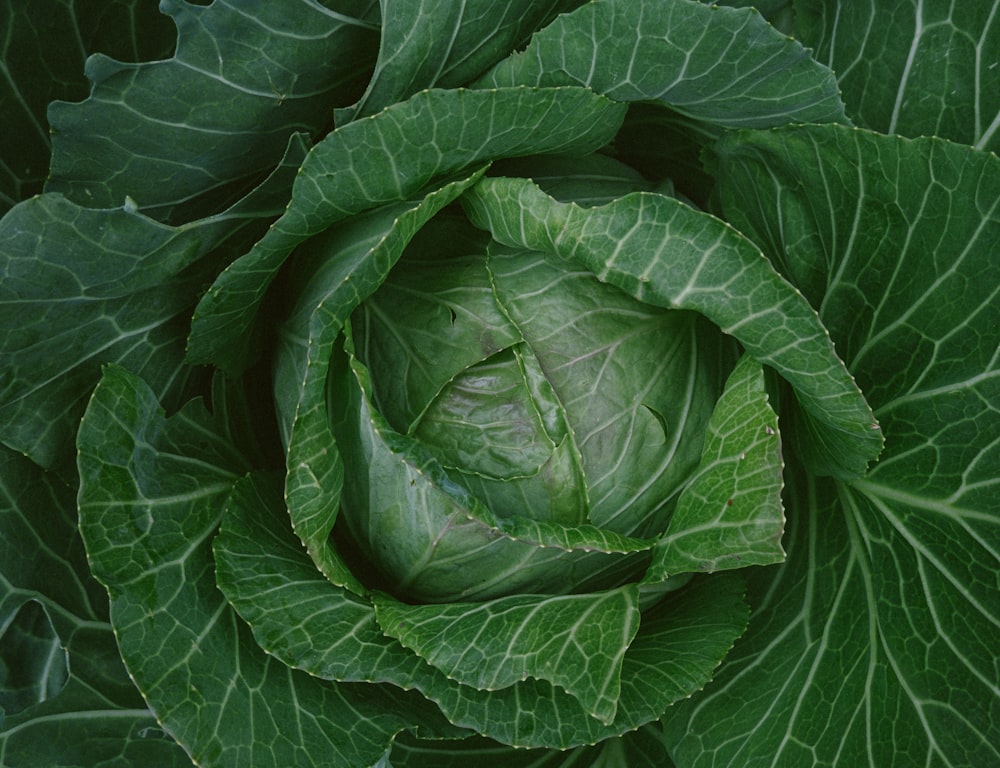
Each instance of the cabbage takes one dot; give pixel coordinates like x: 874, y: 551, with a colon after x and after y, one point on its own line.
x: 563, y: 384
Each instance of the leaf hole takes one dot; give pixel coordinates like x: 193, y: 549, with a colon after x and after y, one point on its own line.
x: 660, y: 419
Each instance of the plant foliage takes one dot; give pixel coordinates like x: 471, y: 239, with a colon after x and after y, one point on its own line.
x: 562, y: 383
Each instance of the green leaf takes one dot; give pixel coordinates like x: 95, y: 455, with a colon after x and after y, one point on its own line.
x: 33, y: 666
x: 84, y: 287
x: 358, y: 167
x: 65, y: 696
x: 665, y: 253
x: 887, y: 610
x: 730, y: 515
x: 672, y: 655
x: 873, y: 645
x: 63, y: 315
x: 724, y: 66
x: 152, y: 493
x: 313, y: 625
x: 576, y: 642
x: 306, y: 622
x: 927, y: 68
x: 347, y: 264
x: 899, y: 259
x: 42, y: 60
x: 438, y: 43
x: 190, y: 134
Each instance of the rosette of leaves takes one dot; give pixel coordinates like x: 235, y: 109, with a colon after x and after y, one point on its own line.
x: 540, y: 383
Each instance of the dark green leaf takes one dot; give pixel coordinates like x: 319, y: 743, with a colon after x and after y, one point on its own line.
x: 358, y: 168
x: 186, y: 136
x: 306, y: 622
x: 917, y: 68
x: 65, y: 698
x: 83, y: 287
x: 871, y: 646
x: 439, y: 43
x: 723, y: 66
x: 41, y: 59
x: 730, y: 515
x: 576, y: 642
x: 887, y: 610
x: 152, y: 494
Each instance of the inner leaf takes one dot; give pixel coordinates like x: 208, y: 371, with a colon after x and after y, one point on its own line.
x: 500, y: 432
x: 485, y: 421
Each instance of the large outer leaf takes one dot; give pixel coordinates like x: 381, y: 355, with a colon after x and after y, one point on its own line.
x: 918, y: 68
x: 176, y: 134
x: 876, y: 643
x: 152, y: 494
x: 894, y: 240
x: 41, y: 59
x: 62, y: 315
x: 444, y: 44
x: 360, y: 166
x: 65, y: 698
x: 83, y: 287
x: 665, y: 253
x: 724, y: 66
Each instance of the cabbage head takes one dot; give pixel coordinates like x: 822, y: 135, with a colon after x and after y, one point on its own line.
x: 533, y: 395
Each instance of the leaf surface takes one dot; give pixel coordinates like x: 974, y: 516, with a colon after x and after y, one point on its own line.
x: 724, y: 66
x: 190, y: 134
x: 887, y: 610
x: 358, y: 167
x: 917, y: 68
x: 437, y: 43
x: 306, y: 622
x: 152, y: 494
x: 83, y: 287
x: 576, y: 642
x: 730, y: 515
x: 665, y: 253
x: 41, y: 60
x: 65, y: 697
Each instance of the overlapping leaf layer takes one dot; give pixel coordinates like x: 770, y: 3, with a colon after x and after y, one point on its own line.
x: 538, y: 384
